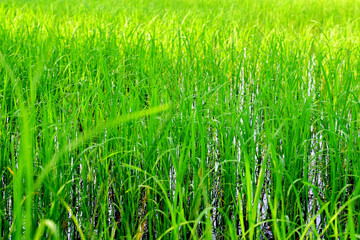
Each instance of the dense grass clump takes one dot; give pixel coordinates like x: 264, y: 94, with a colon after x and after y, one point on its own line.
x: 180, y: 119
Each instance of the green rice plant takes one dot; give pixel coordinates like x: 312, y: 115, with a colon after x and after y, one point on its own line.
x: 179, y: 119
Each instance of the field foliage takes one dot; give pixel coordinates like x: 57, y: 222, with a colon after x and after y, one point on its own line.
x: 182, y: 119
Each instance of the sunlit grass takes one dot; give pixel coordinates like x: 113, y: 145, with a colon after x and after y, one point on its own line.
x: 180, y: 119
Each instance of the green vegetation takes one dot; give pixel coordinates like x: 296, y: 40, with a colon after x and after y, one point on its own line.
x: 183, y: 119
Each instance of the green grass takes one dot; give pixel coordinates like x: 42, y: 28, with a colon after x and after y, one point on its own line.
x: 180, y: 119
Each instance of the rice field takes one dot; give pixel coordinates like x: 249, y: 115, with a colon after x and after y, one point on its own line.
x: 180, y: 119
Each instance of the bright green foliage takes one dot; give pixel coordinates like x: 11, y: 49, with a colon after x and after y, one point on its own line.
x: 184, y: 119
